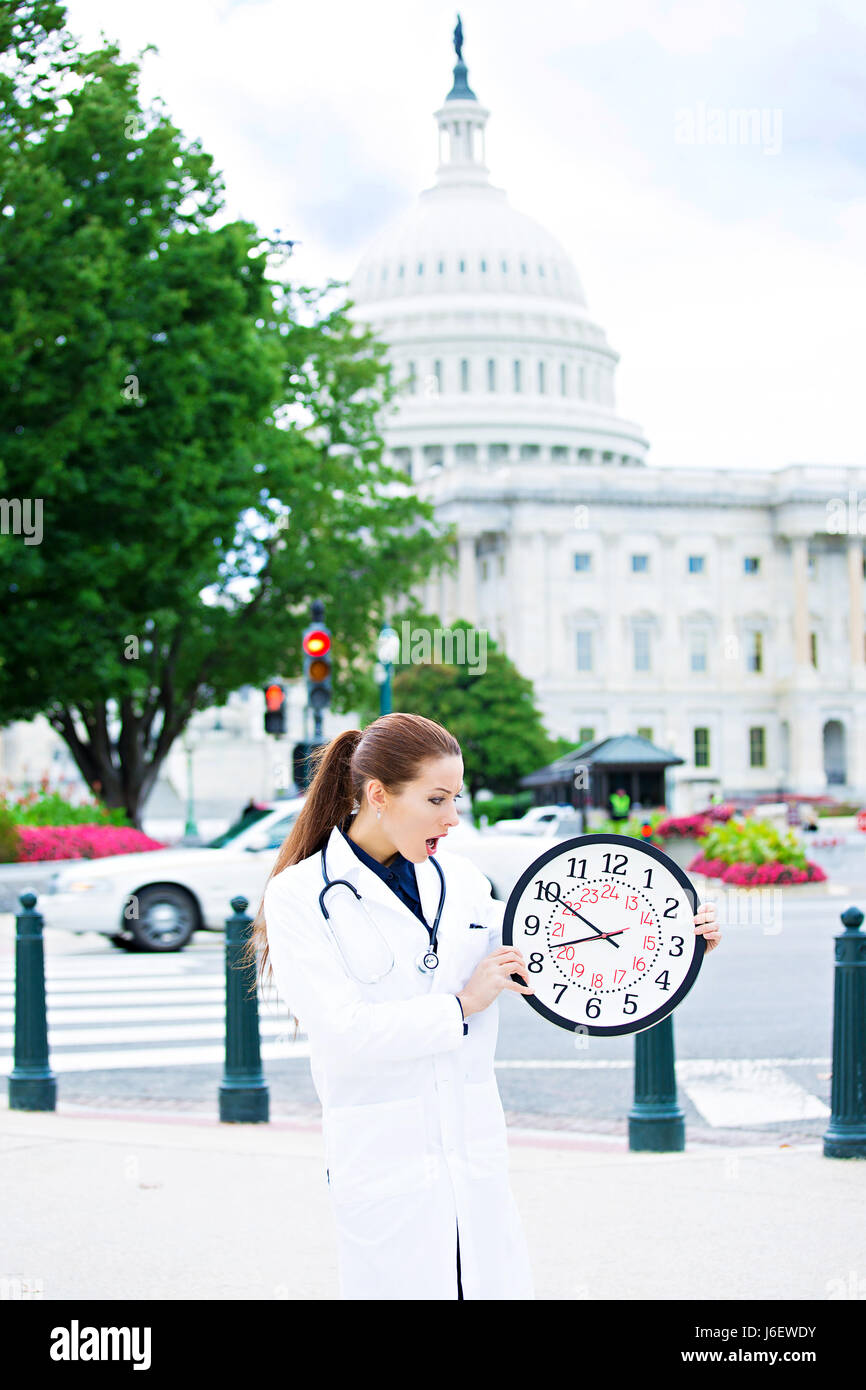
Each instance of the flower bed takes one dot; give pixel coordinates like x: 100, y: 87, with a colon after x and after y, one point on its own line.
x: 692, y: 827
x: 747, y: 875
x: 37, y: 843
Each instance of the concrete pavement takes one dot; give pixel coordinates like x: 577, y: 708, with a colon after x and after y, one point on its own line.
x: 178, y: 1206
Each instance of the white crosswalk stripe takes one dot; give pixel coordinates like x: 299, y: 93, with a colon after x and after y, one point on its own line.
x: 106, y: 1014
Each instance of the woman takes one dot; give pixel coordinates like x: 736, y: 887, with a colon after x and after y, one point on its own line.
x: 401, y: 1054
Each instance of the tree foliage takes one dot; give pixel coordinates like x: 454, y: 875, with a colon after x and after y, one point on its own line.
x: 201, y: 443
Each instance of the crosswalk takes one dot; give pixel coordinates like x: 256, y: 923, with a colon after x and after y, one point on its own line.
x: 107, y: 1014
x: 140, y: 1011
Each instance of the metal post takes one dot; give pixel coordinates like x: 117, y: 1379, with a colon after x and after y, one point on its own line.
x: 32, y: 1084
x: 845, y: 1136
x: 243, y: 1092
x: 655, y: 1121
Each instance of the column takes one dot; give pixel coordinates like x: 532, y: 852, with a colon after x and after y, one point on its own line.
x: 799, y: 556
x: 467, y: 599
x: 855, y: 600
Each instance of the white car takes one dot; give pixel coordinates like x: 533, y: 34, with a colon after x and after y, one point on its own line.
x: 154, y: 901
x: 536, y: 821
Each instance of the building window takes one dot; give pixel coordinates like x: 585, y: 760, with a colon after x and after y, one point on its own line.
x: 698, y: 654
x: 755, y: 651
x: 811, y: 563
x: 483, y: 266
x: 696, y: 564
x: 491, y: 373
x: 541, y: 270
x: 702, y: 747
x: 437, y: 372
x: 400, y: 271
x: 641, y: 649
x: 584, y: 651
x: 813, y: 648
x: 563, y: 379
x: 483, y: 569
x: 586, y: 734
x: 583, y: 561
x: 581, y: 371
x: 497, y: 452
x: 441, y: 267
x: 420, y: 267
x: 413, y: 380
x: 462, y: 267
x: 751, y: 564
x: 505, y: 267
x: 756, y: 748
x: 517, y: 375
x: 639, y: 564
x: 645, y: 732
x: 466, y: 453
x: 541, y: 378
x: 403, y: 460
x: 464, y: 374
x: 559, y: 451
x: 530, y: 451
x: 523, y: 269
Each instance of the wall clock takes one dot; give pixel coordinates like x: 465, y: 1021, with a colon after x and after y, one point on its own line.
x: 606, y: 926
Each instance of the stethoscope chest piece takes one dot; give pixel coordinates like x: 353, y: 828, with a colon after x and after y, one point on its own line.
x: 428, y: 960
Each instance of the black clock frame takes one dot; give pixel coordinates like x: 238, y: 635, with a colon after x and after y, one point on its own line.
x: 700, y: 946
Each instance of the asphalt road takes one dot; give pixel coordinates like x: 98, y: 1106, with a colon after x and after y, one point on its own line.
x: 753, y: 1038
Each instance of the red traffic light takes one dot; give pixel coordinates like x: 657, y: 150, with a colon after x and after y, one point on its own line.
x: 646, y: 830
x: 316, y: 642
x: 274, y: 697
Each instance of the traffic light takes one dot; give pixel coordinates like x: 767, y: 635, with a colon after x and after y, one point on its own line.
x: 317, y: 660
x: 275, y: 708
x: 646, y: 830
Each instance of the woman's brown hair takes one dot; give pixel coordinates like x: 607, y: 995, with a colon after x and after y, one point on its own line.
x: 390, y: 749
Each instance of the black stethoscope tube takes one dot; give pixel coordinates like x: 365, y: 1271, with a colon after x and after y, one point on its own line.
x: 429, y: 959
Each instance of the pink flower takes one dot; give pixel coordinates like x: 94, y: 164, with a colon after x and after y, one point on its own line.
x: 38, y: 843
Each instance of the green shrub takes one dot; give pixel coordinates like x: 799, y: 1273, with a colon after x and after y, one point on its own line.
x: 504, y: 807
x: 8, y: 836
x: 49, y: 808
x: 751, y: 841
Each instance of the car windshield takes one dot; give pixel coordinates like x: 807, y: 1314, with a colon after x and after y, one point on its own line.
x: 242, y: 823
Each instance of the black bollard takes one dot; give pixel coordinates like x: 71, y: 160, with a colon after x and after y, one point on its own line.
x: 655, y: 1121
x: 845, y: 1136
x: 243, y: 1092
x: 32, y: 1084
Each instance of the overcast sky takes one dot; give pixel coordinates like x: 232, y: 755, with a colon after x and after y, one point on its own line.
x: 729, y: 277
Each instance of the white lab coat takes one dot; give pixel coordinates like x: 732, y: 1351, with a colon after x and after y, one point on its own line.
x: 413, y: 1126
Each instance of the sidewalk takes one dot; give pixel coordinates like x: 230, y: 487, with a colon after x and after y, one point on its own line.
x: 117, y: 1206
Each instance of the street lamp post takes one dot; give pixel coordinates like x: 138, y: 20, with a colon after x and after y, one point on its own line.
x: 190, y: 830
x: 388, y: 648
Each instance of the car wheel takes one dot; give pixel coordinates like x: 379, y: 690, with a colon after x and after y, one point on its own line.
x: 167, y: 917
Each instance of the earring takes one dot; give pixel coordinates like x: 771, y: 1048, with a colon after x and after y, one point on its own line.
x: 378, y: 815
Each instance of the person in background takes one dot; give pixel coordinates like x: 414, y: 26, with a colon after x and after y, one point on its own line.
x: 619, y: 804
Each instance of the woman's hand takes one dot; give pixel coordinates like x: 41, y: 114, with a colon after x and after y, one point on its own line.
x: 492, y: 975
x: 706, y: 925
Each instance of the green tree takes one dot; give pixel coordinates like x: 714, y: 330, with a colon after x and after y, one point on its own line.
x: 190, y: 451
x: 492, y: 714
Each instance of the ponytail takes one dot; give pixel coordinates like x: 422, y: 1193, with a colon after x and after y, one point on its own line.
x: 330, y: 801
x: 391, y: 749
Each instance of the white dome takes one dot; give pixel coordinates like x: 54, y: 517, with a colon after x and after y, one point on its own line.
x: 465, y: 237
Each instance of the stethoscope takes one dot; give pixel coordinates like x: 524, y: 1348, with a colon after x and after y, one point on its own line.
x: 427, y: 960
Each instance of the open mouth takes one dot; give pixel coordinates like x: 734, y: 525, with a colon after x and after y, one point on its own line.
x: 432, y: 843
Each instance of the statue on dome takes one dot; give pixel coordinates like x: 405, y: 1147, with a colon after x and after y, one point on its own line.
x: 458, y: 39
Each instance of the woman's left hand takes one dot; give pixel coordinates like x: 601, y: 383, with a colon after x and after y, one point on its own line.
x: 705, y: 923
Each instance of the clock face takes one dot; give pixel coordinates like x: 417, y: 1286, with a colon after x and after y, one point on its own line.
x: 605, y: 924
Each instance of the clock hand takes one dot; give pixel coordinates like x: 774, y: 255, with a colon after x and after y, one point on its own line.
x: 584, y: 919
x: 600, y: 937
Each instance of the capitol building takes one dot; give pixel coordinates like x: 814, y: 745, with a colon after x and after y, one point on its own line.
x: 719, y: 613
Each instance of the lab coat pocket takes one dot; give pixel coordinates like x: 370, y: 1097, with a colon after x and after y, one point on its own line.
x: 484, y: 1128
x: 376, y: 1151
